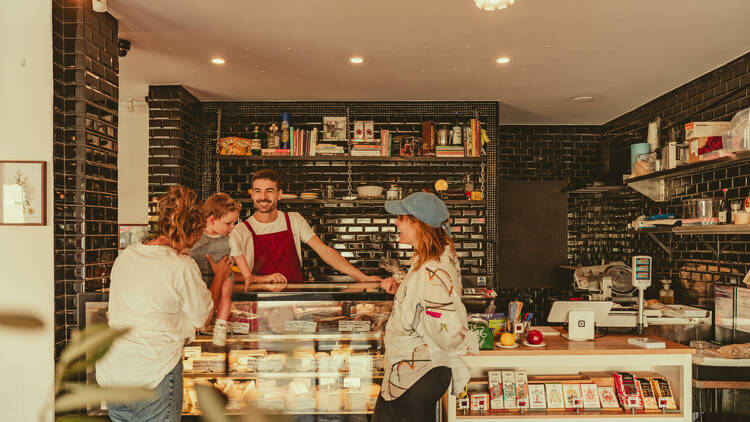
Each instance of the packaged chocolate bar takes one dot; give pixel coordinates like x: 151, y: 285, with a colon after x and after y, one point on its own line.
x: 509, y: 390
x: 572, y: 394
x: 522, y: 387
x: 495, y: 379
x: 590, y: 396
x: 649, y: 398
x: 628, y: 390
x: 537, y: 398
x: 479, y: 402
x: 663, y: 390
x: 608, y: 398
x: 555, y: 399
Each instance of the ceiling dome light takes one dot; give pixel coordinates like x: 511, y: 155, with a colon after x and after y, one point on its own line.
x: 357, y: 60
x: 217, y: 61
x: 503, y: 60
x: 493, y: 4
x: 584, y: 99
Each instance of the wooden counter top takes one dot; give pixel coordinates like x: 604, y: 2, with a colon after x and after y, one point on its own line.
x: 610, y: 344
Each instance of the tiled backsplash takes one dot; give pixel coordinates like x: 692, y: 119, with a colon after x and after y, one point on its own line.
x: 85, y: 80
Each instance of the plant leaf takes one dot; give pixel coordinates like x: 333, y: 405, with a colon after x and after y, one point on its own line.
x: 15, y: 320
x: 82, y: 395
x: 90, y: 340
x: 211, y: 404
x: 94, y: 340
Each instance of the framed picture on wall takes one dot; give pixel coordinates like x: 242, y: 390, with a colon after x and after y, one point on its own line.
x: 130, y: 234
x: 23, y: 193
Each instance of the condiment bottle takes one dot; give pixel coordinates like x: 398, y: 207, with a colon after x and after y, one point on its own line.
x: 666, y: 295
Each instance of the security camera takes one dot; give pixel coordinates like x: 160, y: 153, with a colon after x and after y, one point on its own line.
x: 123, y: 47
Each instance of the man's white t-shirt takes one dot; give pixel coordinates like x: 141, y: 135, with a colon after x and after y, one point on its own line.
x: 301, y: 231
x: 160, y: 295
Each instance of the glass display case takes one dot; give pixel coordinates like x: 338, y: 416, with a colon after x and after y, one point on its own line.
x: 298, y: 353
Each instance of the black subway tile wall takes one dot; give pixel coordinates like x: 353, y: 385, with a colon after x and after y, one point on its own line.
x: 549, y: 153
x: 694, y: 265
x: 174, y: 152
x: 85, y: 80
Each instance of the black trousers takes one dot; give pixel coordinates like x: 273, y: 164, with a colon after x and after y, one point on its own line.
x: 417, y: 404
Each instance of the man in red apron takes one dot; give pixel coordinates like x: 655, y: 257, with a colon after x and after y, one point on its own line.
x: 271, y: 239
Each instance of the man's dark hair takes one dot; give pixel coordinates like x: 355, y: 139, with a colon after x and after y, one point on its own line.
x: 266, y: 174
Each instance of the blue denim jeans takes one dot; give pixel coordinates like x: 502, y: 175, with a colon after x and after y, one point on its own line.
x: 165, y: 407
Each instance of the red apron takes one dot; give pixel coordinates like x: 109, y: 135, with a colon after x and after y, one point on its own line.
x: 276, y: 253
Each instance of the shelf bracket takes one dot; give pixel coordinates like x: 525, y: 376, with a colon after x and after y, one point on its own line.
x: 654, y: 189
x: 661, y: 244
x: 708, y: 245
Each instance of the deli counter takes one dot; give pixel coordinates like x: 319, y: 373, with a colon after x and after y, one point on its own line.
x: 298, y: 352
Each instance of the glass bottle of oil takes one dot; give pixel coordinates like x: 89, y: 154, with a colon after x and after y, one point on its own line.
x: 666, y: 295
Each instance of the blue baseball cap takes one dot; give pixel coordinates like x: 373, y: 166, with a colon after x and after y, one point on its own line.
x: 425, y: 206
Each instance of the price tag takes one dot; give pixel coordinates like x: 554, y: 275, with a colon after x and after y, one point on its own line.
x: 291, y: 326
x: 576, y: 402
x: 270, y: 364
x: 308, y: 327
x: 238, y: 327
x: 192, y: 352
x: 522, y: 403
x: 354, y: 326
x: 632, y: 401
x: 351, y: 382
x: 663, y: 402
x: 346, y: 326
x: 305, y: 403
x: 360, y: 365
x: 327, y: 381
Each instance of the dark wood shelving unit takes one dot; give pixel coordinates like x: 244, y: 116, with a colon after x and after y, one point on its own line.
x: 347, y: 158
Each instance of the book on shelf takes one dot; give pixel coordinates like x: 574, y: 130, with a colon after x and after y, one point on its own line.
x: 275, y: 152
x: 385, y: 142
x: 449, y: 151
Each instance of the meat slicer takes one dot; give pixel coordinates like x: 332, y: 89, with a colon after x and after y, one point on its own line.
x: 609, y: 281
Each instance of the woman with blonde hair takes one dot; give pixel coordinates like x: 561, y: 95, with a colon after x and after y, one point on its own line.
x: 157, y: 292
x: 427, y: 332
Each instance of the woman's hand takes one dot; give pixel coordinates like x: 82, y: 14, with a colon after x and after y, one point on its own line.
x: 364, y: 278
x: 221, y: 269
x: 389, y: 285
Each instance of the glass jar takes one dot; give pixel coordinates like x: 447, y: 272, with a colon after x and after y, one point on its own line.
x: 666, y: 295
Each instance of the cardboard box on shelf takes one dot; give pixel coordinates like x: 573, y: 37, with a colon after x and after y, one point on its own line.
x: 705, y: 129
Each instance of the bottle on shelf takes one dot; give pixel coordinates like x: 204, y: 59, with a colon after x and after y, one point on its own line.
x: 725, y: 212
x: 666, y: 295
x: 273, y: 138
x: 256, y: 145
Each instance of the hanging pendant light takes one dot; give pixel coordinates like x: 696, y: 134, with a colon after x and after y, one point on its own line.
x: 493, y: 4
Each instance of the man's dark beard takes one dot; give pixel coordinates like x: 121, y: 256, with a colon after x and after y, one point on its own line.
x: 272, y: 209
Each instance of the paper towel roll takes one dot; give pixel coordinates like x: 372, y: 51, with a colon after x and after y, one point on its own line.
x: 653, y: 135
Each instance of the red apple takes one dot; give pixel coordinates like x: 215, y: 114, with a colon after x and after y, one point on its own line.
x: 534, y: 337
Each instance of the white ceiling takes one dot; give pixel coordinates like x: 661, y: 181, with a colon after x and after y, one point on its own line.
x: 623, y: 53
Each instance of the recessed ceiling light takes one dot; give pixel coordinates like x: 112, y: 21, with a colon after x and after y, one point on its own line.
x: 503, y: 60
x: 584, y: 99
x: 357, y: 60
x: 217, y: 61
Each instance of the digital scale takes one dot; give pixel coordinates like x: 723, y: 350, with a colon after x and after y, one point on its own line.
x: 642, y: 274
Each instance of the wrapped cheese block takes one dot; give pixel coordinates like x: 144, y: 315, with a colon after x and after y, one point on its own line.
x: 245, y: 361
x: 356, y: 400
x: 210, y: 363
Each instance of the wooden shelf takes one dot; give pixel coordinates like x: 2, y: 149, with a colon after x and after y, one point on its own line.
x: 688, y: 230
x: 687, y: 169
x: 281, y: 375
x: 653, y: 184
x: 349, y: 158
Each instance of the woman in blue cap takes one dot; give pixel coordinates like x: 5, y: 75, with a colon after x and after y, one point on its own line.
x: 427, y: 332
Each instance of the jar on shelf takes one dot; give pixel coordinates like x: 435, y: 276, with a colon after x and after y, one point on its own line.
x: 666, y: 295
